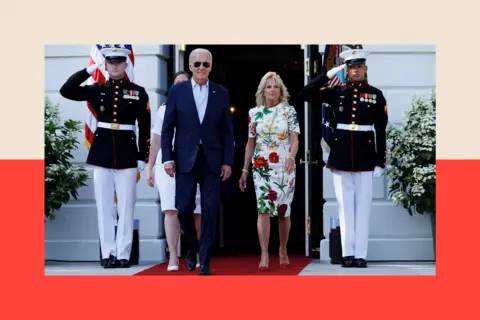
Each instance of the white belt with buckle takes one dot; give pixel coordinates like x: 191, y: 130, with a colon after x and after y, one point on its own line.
x: 116, y: 126
x: 354, y: 127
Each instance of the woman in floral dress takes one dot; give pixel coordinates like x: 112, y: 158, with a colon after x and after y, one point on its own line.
x: 271, y: 149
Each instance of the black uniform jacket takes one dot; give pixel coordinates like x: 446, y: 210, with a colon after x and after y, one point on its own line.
x: 352, y: 104
x: 114, y: 102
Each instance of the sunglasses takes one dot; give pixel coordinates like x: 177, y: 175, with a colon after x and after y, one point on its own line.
x: 197, y: 64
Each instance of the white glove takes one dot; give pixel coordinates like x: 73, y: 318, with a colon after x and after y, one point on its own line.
x: 335, y: 70
x: 377, y: 172
x: 140, y: 165
x: 91, y: 69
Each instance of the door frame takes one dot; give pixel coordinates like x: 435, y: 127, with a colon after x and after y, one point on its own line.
x: 312, y: 161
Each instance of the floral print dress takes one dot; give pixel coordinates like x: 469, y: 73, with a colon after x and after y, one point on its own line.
x: 271, y: 127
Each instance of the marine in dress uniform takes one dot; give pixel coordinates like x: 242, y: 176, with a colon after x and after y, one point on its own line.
x: 114, y: 154
x: 357, y: 150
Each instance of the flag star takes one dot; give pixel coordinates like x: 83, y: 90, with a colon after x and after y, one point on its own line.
x: 327, y: 124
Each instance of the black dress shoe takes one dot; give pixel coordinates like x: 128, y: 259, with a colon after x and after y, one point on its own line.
x: 347, y: 262
x: 359, y: 263
x: 123, y: 263
x: 205, y: 270
x: 110, y: 263
x: 191, y: 260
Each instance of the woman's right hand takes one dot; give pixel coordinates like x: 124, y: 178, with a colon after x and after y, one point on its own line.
x: 150, y: 179
x: 243, y: 182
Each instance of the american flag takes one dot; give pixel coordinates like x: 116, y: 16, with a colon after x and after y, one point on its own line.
x: 101, y: 76
x: 331, y: 60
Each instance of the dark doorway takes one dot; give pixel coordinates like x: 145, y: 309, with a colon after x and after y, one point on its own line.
x: 239, y: 68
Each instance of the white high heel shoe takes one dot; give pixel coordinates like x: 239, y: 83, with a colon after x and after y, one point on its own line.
x: 198, y: 261
x: 173, y: 268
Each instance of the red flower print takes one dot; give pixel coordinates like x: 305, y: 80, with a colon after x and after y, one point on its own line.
x: 272, y: 195
x: 252, y: 129
x: 260, y: 162
x: 282, y: 209
x: 273, y: 157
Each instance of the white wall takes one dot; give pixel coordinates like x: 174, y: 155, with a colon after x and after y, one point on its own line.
x: 74, y: 234
x: 400, y: 71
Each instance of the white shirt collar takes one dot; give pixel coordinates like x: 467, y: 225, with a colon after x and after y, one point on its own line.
x: 194, y: 83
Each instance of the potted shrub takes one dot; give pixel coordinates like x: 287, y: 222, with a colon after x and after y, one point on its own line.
x: 412, y: 159
x: 62, y: 178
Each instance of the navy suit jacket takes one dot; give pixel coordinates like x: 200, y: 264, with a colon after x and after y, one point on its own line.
x: 181, y: 119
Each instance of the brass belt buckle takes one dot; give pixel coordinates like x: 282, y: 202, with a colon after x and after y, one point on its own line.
x: 115, y: 126
x: 353, y: 127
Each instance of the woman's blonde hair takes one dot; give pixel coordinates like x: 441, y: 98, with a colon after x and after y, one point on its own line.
x: 284, y: 95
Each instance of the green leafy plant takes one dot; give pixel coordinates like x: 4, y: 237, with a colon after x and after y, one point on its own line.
x: 62, y: 178
x: 412, y: 158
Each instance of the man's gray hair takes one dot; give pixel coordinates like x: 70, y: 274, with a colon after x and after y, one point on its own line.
x: 200, y: 50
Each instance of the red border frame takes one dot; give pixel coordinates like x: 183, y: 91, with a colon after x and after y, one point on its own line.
x: 28, y: 292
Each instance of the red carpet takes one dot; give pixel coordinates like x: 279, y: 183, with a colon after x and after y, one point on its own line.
x: 235, y: 265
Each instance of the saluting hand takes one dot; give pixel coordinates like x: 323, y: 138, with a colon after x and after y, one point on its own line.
x: 91, y: 69
x: 335, y: 70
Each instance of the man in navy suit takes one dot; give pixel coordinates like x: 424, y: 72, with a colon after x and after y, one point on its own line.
x: 197, y: 147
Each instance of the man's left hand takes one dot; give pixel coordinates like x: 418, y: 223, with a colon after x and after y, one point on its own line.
x: 377, y: 172
x: 226, y: 172
x: 140, y: 165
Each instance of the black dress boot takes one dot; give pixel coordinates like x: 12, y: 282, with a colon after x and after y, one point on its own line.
x: 123, y: 263
x: 205, y: 270
x: 347, y: 262
x: 359, y: 263
x: 110, y: 263
x: 191, y: 260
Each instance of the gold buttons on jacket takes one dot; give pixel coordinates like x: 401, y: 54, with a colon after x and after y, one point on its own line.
x: 353, y: 115
x: 115, y: 120
x: 114, y: 113
x: 116, y: 87
x: 115, y: 106
x: 354, y: 109
x: 116, y: 99
x: 355, y: 102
